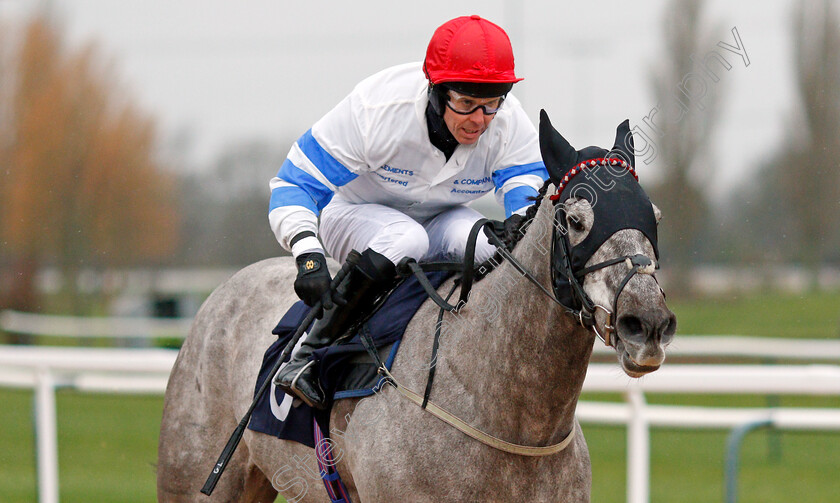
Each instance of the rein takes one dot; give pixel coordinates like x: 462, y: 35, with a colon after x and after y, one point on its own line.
x: 466, y: 284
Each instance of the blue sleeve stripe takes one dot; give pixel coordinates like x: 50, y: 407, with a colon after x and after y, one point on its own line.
x: 335, y: 172
x: 291, y: 196
x: 501, y: 176
x: 518, y: 198
x: 317, y: 191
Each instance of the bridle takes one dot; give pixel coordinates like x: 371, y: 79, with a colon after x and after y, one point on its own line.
x: 562, y: 266
x: 585, y: 315
x: 582, y: 307
x: 636, y: 264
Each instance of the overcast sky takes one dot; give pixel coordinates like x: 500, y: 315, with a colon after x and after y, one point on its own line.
x: 224, y: 72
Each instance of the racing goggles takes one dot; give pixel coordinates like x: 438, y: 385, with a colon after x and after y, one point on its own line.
x: 465, y: 105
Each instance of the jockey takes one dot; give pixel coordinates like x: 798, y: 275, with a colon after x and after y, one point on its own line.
x: 390, y: 169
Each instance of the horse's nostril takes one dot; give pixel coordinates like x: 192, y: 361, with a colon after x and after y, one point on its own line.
x: 672, y: 325
x: 671, y: 328
x: 629, y: 325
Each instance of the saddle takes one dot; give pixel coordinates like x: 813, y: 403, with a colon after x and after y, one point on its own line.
x: 346, y: 369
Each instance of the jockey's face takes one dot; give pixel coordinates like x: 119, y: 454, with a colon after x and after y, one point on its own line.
x: 466, y: 128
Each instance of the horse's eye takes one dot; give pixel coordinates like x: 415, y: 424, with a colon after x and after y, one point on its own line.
x: 575, y: 224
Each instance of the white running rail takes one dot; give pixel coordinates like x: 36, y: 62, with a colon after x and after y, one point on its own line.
x: 146, y: 371
x: 818, y: 350
x: 93, y: 327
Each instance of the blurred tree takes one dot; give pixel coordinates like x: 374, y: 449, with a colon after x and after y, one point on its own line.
x: 792, y: 213
x: 757, y: 226
x: 5, y: 121
x: 687, y: 108
x: 812, y: 155
x: 5, y: 136
x: 82, y: 186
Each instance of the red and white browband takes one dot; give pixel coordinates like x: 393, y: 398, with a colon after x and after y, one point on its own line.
x: 591, y: 163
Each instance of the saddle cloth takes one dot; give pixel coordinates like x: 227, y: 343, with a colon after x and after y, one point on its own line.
x: 346, y: 369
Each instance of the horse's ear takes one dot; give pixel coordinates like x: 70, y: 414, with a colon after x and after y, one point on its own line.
x: 624, y: 143
x: 558, y: 154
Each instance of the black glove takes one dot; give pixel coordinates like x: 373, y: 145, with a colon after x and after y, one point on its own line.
x: 509, y: 230
x: 313, y: 280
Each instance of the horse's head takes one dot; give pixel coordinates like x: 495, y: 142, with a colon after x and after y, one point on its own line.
x: 604, y: 247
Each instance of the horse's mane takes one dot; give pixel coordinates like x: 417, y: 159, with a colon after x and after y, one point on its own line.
x: 531, y: 212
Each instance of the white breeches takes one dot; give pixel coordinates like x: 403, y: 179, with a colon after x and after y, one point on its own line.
x: 347, y: 226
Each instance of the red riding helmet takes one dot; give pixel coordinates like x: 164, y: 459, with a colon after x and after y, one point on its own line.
x: 470, y: 49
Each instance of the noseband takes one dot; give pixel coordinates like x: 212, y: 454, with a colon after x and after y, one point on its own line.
x: 636, y: 264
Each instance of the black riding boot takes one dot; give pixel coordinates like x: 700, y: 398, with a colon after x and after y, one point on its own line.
x: 371, y: 277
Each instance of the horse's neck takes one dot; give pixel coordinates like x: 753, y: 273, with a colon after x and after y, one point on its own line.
x: 519, y: 356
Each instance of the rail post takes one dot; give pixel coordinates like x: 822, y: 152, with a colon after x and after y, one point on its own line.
x: 46, y: 437
x: 733, y: 448
x: 638, y: 448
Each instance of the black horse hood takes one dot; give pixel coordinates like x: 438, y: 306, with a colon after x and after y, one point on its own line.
x: 605, y: 178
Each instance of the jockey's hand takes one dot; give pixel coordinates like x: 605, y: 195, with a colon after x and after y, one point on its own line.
x: 313, y: 281
x: 509, y: 230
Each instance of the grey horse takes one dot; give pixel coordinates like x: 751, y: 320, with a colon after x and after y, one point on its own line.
x: 511, y: 363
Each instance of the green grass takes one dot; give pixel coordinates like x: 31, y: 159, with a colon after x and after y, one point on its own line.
x: 688, y: 466
x: 811, y: 316
x: 107, y: 447
x: 108, y: 443
x: 774, y: 465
